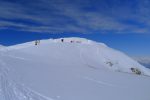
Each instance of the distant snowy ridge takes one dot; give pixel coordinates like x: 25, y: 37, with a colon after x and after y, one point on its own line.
x: 145, y: 61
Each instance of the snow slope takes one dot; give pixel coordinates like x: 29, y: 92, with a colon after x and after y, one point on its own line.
x: 75, y: 69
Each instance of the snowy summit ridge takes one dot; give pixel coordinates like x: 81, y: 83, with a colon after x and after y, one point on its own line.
x: 70, y: 69
x: 98, y: 55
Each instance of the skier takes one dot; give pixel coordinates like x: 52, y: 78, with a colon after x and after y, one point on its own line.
x: 62, y: 40
x: 36, y: 42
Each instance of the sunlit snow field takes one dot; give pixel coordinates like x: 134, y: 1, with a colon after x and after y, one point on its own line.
x: 72, y: 69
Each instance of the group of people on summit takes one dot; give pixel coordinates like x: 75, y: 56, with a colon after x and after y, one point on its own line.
x: 72, y: 41
x: 37, y: 42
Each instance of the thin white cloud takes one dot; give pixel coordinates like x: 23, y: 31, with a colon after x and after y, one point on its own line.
x: 65, y: 16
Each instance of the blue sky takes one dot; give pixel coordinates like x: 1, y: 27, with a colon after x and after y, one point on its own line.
x: 122, y: 24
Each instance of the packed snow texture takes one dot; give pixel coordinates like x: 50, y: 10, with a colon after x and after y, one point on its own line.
x: 70, y: 69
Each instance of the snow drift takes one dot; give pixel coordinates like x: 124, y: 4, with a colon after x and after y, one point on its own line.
x: 70, y: 69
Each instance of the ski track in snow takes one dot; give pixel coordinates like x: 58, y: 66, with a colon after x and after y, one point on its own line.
x: 85, y: 62
x: 12, y: 91
x: 100, y: 82
x: 16, y: 57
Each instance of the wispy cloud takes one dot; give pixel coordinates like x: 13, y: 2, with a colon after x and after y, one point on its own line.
x: 57, y: 16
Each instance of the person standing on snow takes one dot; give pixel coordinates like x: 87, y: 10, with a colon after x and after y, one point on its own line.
x: 62, y: 40
x: 37, y: 42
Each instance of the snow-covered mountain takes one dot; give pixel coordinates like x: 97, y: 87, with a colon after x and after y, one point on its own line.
x: 145, y: 61
x: 70, y: 69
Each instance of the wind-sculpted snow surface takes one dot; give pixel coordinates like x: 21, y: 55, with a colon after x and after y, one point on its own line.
x: 70, y: 69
